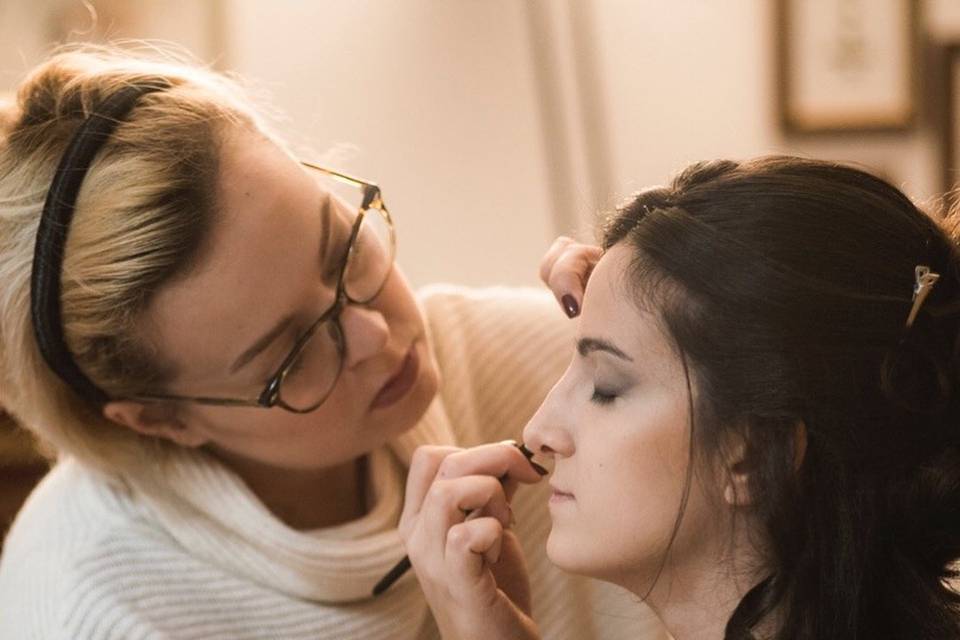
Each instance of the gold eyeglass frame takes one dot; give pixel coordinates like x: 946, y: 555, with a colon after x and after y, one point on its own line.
x: 270, y: 396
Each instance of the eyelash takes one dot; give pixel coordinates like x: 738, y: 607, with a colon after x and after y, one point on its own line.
x: 602, y: 397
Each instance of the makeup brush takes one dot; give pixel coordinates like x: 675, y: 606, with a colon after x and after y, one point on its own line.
x: 404, y: 565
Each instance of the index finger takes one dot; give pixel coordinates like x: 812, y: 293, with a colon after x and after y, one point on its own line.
x: 570, y: 272
x: 550, y: 257
x: 423, y: 469
x: 502, y: 460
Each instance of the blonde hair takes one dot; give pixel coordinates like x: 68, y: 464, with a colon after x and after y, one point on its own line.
x: 140, y: 222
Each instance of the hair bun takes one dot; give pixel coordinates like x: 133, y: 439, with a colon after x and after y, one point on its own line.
x: 925, y: 513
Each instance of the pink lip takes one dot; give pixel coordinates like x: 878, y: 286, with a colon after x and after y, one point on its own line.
x: 400, y: 383
x: 560, y: 496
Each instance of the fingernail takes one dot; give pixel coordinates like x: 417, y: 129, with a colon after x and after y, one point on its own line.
x: 529, y: 455
x: 523, y: 449
x: 570, y: 306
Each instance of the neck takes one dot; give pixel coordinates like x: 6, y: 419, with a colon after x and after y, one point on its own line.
x: 695, y: 599
x: 310, y: 498
x: 700, y: 608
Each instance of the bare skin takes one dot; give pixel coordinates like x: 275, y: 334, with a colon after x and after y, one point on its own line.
x: 267, y: 260
x: 616, y: 427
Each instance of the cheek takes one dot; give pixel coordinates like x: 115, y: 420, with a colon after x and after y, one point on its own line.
x: 630, y: 483
x: 397, y: 302
x: 277, y: 437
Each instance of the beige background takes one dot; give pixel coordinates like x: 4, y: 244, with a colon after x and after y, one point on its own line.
x: 493, y: 125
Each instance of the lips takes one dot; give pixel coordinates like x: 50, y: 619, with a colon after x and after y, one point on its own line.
x: 559, y: 494
x: 400, y: 383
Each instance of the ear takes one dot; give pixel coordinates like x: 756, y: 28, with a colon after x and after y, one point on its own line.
x: 155, y: 419
x: 736, y: 467
x: 735, y: 471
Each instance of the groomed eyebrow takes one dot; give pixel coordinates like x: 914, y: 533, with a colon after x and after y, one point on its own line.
x: 589, y: 345
x: 261, y: 344
x: 267, y: 339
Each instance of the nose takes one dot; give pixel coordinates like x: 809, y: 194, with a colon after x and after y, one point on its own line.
x: 548, y: 432
x: 365, y: 333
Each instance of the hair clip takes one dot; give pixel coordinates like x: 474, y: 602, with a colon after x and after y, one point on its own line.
x: 925, y: 279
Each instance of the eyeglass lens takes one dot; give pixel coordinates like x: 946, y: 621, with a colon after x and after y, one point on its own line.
x: 314, y: 372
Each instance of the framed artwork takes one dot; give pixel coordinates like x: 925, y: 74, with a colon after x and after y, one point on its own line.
x: 846, y: 65
x: 950, y: 124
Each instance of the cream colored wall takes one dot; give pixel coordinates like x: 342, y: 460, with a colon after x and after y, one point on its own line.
x: 535, y: 114
x: 494, y: 125
x: 685, y: 81
x: 27, y: 27
x: 697, y: 80
x: 438, y: 102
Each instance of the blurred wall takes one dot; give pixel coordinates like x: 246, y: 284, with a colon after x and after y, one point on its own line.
x: 494, y: 125
x: 437, y: 101
x: 698, y: 81
x: 533, y: 115
x: 28, y: 28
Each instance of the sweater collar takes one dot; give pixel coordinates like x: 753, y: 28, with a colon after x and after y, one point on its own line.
x: 211, y: 512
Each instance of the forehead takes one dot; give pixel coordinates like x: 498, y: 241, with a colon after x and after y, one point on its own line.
x: 611, y: 312
x: 253, y: 268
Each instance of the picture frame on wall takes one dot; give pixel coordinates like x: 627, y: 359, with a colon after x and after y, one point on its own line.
x: 950, y: 124
x: 846, y: 65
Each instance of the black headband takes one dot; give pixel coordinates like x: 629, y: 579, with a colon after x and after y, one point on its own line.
x: 52, y: 233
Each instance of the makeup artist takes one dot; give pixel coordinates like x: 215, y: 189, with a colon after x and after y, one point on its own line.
x: 231, y: 373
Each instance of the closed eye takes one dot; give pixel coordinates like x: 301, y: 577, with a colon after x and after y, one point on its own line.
x: 602, y: 397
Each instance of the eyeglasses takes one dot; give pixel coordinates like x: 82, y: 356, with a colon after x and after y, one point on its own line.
x: 309, y: 373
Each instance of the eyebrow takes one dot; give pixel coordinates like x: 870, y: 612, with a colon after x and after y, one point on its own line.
x: 261, y: 344
x: 268, y: 338
x: 589, y: 345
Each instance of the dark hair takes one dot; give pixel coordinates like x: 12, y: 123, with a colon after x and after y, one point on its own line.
x: 786, y: 284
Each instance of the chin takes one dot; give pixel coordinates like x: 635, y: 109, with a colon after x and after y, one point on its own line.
x: 566, y: 553
x: 583, y: 556
x: 428, y: 381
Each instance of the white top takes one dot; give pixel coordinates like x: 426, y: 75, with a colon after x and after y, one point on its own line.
x: 188, y: 551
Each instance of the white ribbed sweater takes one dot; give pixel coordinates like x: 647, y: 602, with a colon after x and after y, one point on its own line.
x: 187, y: 551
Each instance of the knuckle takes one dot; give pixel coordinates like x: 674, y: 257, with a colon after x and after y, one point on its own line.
x: 570, y: 259
x: 428, y: 456
x: 458, y: 537
x: 423, y: 455
x: 493, y: 486
x: 448, y: 468
x: 495, y: 526
x: 440, y: 493
x: 557, y: 279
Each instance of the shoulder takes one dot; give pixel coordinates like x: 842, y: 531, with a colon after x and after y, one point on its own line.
x: 439, y: 297
x: 76, y: 556
x: 498, y: 314
x: 499, y: 351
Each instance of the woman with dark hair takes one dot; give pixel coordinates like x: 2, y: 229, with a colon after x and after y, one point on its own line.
x: 759, y: 432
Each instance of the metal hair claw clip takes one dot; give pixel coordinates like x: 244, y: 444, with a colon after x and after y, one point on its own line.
x: 925, y: 279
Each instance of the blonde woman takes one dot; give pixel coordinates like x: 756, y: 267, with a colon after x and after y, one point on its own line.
x: 232, y: 374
